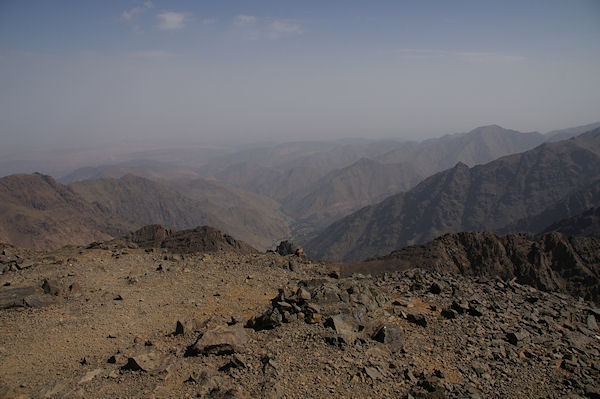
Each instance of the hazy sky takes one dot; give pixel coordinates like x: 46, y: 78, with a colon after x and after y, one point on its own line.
x: 75, y: 71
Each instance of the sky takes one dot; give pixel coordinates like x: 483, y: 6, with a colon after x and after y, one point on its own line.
x: 80, y: 72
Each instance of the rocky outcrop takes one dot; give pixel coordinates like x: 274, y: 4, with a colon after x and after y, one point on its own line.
x: 552, y: 263
x: 200, y: 239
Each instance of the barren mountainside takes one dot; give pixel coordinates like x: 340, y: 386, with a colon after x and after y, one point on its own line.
x: 485, y: 197
x: 38, y: 212
x: 142, y: 201
x: 480, y: 145
x: 586, y: 224
x: 345, y: 190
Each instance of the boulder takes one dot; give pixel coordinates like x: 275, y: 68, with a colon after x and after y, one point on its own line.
x: 221, y: 340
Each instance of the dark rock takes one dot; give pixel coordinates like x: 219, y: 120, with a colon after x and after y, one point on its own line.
x: 592, y: 391
x: 286, y: 248
x: 236, y: 362
x: 293, y: 266
x: 272, y: 318
x: 417, y: 318
x: 518, y: 338
x: 475, y: 310
x: 435, y: 289
x: 51, y: 287
x: 430, y: 384
x: 151, y: 362
x: 460, y: 307
x: 449, y: 313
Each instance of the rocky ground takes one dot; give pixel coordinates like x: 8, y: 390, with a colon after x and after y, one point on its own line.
x: 120, y: 321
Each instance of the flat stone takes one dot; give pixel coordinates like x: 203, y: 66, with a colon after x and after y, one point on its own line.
x: 90, y: 376
x: 390, y: 335
x: 221, y: 340
x: 591, y: 323
x: 373, y: 373
x: 24, y: 297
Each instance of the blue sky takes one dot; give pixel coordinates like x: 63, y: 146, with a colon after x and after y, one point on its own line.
x: 96, y: 71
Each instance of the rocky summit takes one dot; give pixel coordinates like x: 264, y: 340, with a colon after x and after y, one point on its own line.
x: 127, y: 319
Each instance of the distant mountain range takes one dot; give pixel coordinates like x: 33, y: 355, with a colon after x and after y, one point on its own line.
x: 484, y: 197
x: 315, y: 185
x: 294, y: 190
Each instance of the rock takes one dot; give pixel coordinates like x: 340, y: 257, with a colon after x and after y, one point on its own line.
x: 449, y: 313
x: 117, y: 358
x: 518, y: 338
x: 335, y: 274
x: 343, y: 326
x: 221, y: 340
x: 592, y: 391
x: 185, y: 327
x: 236, y: 362
x: 272, y: 318
x: 179, y: 328
x: 417, y: 318
x: 313, y: 318
x: 286, y: 248
x: 435, y: 289
x: 150, y: 362
x: 460, y: 307
x: 90, y: 376
x: 591, y: 323
x: 75, y: 288
x: 293, y: 266
x: 390, y: 335
x: 32, y: 297
x: 271, y: 366
x: 475, y: 310
x: 51, y: 287
x: 303, y: 294
x: 430, y: 384
x: 373, y: 373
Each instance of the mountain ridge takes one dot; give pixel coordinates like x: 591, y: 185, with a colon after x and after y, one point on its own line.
x: 484, y: 197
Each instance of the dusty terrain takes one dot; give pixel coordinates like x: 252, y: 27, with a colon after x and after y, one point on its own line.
x: 107, y: 327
